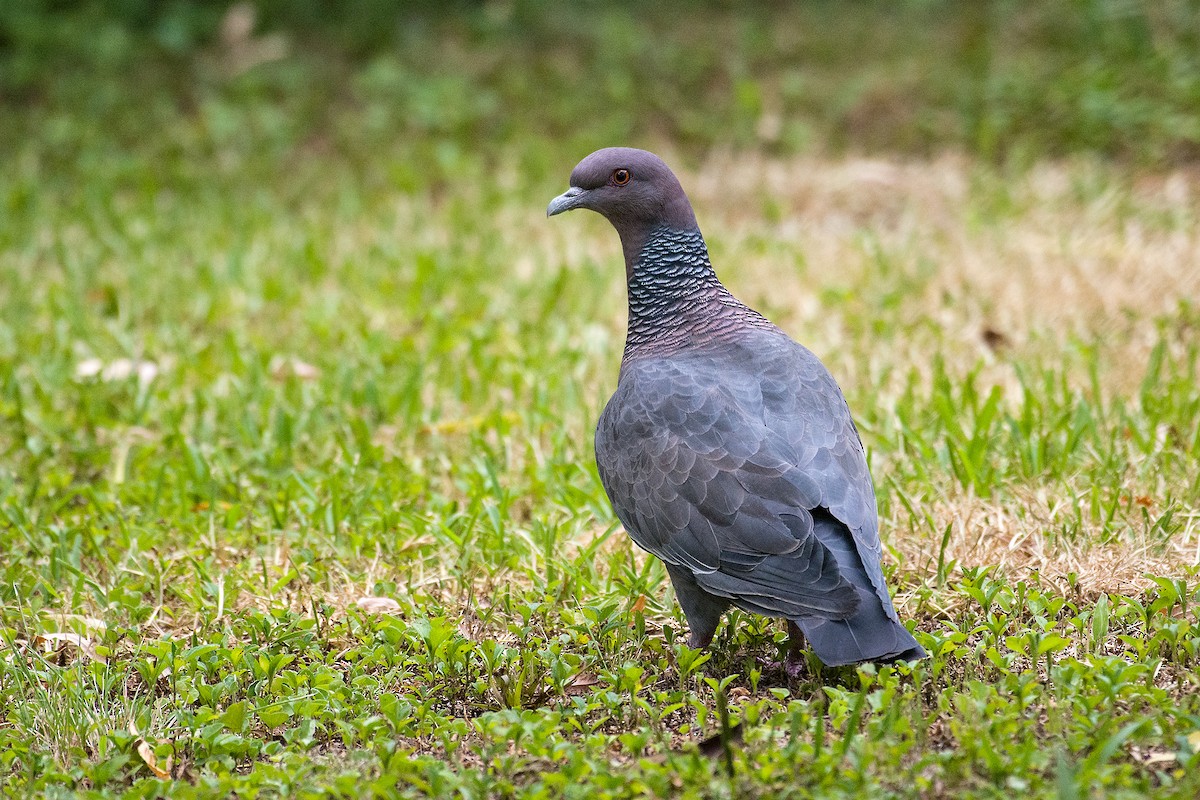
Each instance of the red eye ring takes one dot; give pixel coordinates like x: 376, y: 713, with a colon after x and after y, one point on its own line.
x: 621, y: 177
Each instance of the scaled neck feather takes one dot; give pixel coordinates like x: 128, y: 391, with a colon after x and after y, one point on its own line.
x: 675, y: 298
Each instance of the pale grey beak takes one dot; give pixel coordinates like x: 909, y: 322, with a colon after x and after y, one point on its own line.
x: 565, y: 201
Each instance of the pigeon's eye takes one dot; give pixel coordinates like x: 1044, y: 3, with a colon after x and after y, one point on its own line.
x: 620, y: 177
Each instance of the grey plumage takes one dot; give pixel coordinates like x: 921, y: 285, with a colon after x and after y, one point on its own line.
x: 728, y: 450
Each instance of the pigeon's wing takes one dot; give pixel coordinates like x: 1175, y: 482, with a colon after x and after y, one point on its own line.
x: 701, y: 480
x: 803, y: 403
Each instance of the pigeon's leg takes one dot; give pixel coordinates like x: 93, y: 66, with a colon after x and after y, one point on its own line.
x: 703, y: 610
x: 794, y: 662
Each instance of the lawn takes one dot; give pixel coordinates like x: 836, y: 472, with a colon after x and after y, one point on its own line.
x: 298, y: 385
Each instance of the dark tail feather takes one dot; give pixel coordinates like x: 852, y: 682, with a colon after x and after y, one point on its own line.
x: 869, y: 635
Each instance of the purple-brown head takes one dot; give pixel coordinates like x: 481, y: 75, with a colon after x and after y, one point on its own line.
x: 633, y: 189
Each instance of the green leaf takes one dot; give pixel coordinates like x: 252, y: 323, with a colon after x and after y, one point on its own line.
x: 234, y: 717
x: 1100, y: 621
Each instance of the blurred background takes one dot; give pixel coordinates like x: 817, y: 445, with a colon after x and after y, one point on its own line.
x: 260, y: 86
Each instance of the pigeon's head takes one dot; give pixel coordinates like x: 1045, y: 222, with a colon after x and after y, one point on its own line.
x: 633, y: 189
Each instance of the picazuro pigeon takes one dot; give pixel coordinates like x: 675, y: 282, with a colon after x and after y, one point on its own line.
x: 728, y: 450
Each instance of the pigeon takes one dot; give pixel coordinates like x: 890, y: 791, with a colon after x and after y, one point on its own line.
x: 728, y: 450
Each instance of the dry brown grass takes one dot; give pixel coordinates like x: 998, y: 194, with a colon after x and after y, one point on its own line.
x: 1016, y: 536
x: 1066, y: 249
x: 1061, y: 231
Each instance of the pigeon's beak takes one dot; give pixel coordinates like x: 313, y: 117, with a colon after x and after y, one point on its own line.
x: 569, y: 199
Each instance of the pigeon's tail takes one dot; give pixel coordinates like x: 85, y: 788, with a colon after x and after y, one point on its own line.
x: 867, y: 636
x: 872, y: 634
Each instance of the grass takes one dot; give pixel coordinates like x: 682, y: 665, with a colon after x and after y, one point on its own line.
x: 262, y: 372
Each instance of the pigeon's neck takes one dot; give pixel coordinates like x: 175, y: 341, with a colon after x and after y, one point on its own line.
x: 675, y: 298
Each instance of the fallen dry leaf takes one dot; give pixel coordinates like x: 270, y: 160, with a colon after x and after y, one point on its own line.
x: 1153, y: 756
x: 147, y: 753
x: 117, y: 370
x: 291, y: 367
x: 639, y: 605
x: 81, y: 643
x: 88, y: 368
x: 582, y: 683
x: 378, y: 605
x: 64, y: 619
